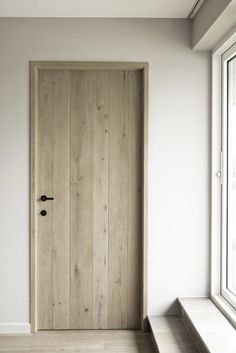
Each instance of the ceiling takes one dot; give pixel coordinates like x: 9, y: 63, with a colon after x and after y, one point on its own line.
x: 96, y: 8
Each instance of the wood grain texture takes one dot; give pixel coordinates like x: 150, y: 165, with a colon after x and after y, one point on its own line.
x: 89, y: 65
x: 134, y: 198
x: 81, y: 281
x: 144, y: 197
x: 118, y: 198
x: 100, y: 201
x: 61, y: 209
x: 96, y: 260
x: 45, y: 186
x: 101, y: 341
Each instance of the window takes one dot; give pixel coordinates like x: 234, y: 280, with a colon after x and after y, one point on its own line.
x: 223, y: 177
x: 228, y: 204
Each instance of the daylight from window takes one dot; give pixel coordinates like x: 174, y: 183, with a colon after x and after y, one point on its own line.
x: 231, y: 184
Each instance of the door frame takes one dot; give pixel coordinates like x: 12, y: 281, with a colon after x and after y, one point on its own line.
x: 35, y: 67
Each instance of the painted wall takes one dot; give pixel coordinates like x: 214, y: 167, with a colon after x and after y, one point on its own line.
x: 179, y: 163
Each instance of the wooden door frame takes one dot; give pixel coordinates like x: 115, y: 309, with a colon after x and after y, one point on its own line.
x: 35, y: 67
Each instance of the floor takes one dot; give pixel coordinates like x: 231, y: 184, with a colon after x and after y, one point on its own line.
x: 104, y: 341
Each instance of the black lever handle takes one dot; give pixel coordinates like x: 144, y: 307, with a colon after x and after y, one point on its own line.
x: 45, y: 198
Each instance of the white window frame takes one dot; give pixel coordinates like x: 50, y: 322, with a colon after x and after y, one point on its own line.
x: 219, y: 294
x: 225, y: 292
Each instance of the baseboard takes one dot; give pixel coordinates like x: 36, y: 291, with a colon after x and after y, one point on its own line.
x: 15, y: 328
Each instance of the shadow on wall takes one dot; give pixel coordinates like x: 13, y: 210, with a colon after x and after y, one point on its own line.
x: 144, y: 343
x: 174, y: 308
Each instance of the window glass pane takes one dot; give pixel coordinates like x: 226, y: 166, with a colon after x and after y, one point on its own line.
x: 231, y: 231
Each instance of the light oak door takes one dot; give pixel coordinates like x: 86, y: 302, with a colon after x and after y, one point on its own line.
x: 89, y: 156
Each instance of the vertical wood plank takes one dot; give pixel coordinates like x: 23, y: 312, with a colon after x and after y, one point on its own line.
x: 118, y: 198
x: 44, y: 186
x: 81, y: 296
x: 144, y: 202
x: 61, y: 182
x: 134, y: 213
x: 100, y: 202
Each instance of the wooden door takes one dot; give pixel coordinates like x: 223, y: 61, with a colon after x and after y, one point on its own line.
x: 89, y: 159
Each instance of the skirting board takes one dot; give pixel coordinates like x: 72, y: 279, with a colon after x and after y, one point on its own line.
x: 15, y: 328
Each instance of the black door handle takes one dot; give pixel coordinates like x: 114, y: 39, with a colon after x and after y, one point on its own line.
x: 45, y: 198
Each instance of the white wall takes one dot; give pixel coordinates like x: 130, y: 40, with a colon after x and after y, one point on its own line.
x: 178, y: 150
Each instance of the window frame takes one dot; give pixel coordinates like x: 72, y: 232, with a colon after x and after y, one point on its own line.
x: 225, y: 292
x: 218, y: 129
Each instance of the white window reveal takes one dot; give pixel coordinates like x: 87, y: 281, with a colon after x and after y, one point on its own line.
x: 223, y: 182
x: 228, y: 281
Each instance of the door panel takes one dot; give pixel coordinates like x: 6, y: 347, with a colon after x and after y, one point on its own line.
x: 60, y: 190
x: 118, y: 198
x: 82, y: 97
x: 100, y: 201
x: 44, y: 186
x: 134, y: 199
x: 89, y: 159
